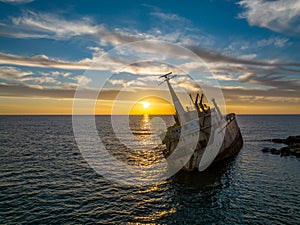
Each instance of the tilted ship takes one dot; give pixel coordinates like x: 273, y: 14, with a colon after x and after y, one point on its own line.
x: 200, y: 136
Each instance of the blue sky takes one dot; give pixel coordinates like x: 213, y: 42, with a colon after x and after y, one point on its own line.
x: 251, y: 46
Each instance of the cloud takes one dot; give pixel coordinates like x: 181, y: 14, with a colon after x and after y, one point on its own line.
x: 45, y: 25
x: 53, y: 26
x: 213, y: 56
x: 225, y: 77
x: 269, y: 104
x: 147, y: 81
x: 225, y: 68
x: 41, y: 61
x: 187, y: 84
x: 36, y: 91
x: 19, y: 90
x: 177, y: 29
x: 271, y: 80
x: 266, y: 83
x: 247, y: 48
x: 170, y: 17
x: 267, y: 75
x: 278, y: 42
x: 17, y: 1
x: 154, y: 83
x: 121, y: 82
x: 40, y: 80
x: 12, y: 73
x: 60, y: 79
x: 248, y: 56
x: 108, y: 63
x: 262, y: 101
x: 281, y: 16
x: 82, y: 80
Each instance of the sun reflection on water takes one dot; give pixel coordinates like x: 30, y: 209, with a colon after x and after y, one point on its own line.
x: 145, y: 123
x: 156, y: 215
x: 161, y: 211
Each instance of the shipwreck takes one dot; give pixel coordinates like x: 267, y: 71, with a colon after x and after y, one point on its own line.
x: 200, y: 136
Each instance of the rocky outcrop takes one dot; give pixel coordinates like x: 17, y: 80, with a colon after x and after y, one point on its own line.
x: 289, y: 140
x: 292, y: 148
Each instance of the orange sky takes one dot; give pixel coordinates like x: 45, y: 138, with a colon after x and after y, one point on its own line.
x: 48, y: 106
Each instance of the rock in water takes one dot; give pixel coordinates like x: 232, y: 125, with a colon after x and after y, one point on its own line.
x: 292, y: 148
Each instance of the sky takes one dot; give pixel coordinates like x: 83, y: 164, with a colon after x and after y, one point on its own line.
x: 114, y: 51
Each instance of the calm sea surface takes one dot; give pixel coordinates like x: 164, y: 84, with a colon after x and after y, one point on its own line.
x: 45, y: 180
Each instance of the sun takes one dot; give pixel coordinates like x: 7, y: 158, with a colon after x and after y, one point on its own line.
x: 146, y: 104
x: 152, y: 105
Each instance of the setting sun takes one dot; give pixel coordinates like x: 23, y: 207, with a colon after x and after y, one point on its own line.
x: 146, y: 104
x: 152, y: 105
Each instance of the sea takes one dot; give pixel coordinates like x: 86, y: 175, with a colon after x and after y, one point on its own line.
x: 44, y: 178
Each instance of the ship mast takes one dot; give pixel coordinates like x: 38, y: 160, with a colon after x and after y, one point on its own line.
x: 178, y: 107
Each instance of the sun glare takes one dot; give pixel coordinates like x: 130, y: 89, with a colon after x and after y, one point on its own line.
x: 152, y: 106
x: 146, y: 104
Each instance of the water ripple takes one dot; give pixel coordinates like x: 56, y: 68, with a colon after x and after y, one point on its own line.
x: 45, y: 180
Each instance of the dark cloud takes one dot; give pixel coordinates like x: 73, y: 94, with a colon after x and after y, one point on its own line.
x: 232, y: 92
x: 212, y: 56
x: 12, y: 90
x: 271, y: 80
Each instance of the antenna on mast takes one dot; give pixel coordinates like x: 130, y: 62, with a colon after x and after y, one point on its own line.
x: 167, y: 77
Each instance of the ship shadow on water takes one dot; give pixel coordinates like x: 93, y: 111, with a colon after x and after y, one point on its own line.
x: 211, y: 177
x: 198, y: 197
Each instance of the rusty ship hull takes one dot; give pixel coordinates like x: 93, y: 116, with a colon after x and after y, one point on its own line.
x: 231, y: 144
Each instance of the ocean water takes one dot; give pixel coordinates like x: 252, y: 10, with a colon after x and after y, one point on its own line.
x: 44, y: 178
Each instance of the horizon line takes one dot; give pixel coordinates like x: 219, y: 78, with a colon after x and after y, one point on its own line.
x: 242, y: 114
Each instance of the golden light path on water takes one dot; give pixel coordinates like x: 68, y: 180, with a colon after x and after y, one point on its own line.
x: 148, y: 142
